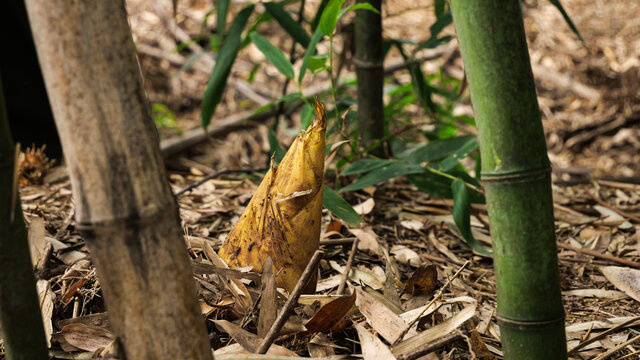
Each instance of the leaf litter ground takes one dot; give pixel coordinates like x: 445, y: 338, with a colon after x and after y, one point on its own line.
x: 410, y: 248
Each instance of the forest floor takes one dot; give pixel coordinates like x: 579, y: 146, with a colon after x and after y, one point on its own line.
x: 589, y: 96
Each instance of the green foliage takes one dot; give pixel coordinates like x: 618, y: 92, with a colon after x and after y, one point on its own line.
x: 429, y: 159
x: 566, y: 17
x: 295, y: 30
x: 224, y: 61
x: 222, y: 7
x: 462, y: 215
x: 275, y: 147
x: 274, y: 55
x: 317, y: 36
x: 329, y: 17
x: 164, y: 118
x: 340, y: 207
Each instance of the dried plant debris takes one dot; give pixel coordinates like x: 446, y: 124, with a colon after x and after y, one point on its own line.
x: 430, y: 312
x: 34, y: 165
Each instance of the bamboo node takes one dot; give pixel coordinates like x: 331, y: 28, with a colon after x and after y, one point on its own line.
x: 515, y: 176
x: 365, y: 64
x: 528, y: 325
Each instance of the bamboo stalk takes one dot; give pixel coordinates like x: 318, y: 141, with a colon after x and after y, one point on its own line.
x: 22, y: 330
x: 516, y: 175
x: 124, y: 206
x: 368, y: 57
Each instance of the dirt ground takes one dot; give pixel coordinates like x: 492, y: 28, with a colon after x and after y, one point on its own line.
x: 590, y: 104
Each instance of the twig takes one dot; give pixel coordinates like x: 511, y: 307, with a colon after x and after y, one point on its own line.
x: 289, y: 305
x: 432, y: 346
x: 347, y: 268
x: 602, y: 335
x: 594, y: 253
x: 215, y: 175
x: 338, y: 242
x: 616, y: 348
x: 617, y: 211
x: 435, y: 298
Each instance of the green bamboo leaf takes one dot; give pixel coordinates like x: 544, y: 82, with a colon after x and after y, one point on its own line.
x: 317, y: 62
x: 221, y: 15
x: 318, y: 15
x: 452, y: 160
x: 462, y: 216
x: 221, y: 70
x: 432, y: 184
x: 365, y: 165
x: 566, y: 17
x: 306, y: 116
x: 361, y: 6
x: 383, y: 174
x: 311, y: 49
x: 420, y: 85
x: 273, y: 54
x: 284, y: 99
x: 436, y: 150
x: 275, y: 147
x: 329, y: 17
x: 340, y: 207
x: 297, y: 32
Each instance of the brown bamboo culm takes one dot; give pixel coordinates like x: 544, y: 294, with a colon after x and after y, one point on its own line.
x: 124, y: 206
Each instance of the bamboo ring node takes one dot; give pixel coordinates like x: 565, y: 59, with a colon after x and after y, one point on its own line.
x: 528, y: 325
x: 130, y: 221
x: 515, y: 176
x: 365, y: 64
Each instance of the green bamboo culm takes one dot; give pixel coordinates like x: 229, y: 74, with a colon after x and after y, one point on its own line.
x: 516, y: 176
x: 20, y: 319
x: 369, y: 56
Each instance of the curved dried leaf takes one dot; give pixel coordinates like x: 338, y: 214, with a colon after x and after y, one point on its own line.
x: 331, y: 314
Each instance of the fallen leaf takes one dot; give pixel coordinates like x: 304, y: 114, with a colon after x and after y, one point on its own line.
x: 365, y: 207
x: 372, y: 347
x: 47, y: 298
x: 358, y: 275
x: 368, y: 240
x: 321, y: 347
x: 229, y: 351
x: 85, y: 337
x: 424, y: 281
x: 268, y: 301
x: 412, y: 224
x: 36, y: 239
x: 404, y: 255
x: 249, y: 341
x: 599, y: 293
x: 434, y: 333
x: 331, y: 314
x: 625, y: 279
x: 382, y: 319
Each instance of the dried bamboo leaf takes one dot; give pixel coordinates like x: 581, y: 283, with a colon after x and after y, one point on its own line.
x: 382, y: 319
x: 625, y: 279
x: 372, y: 347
